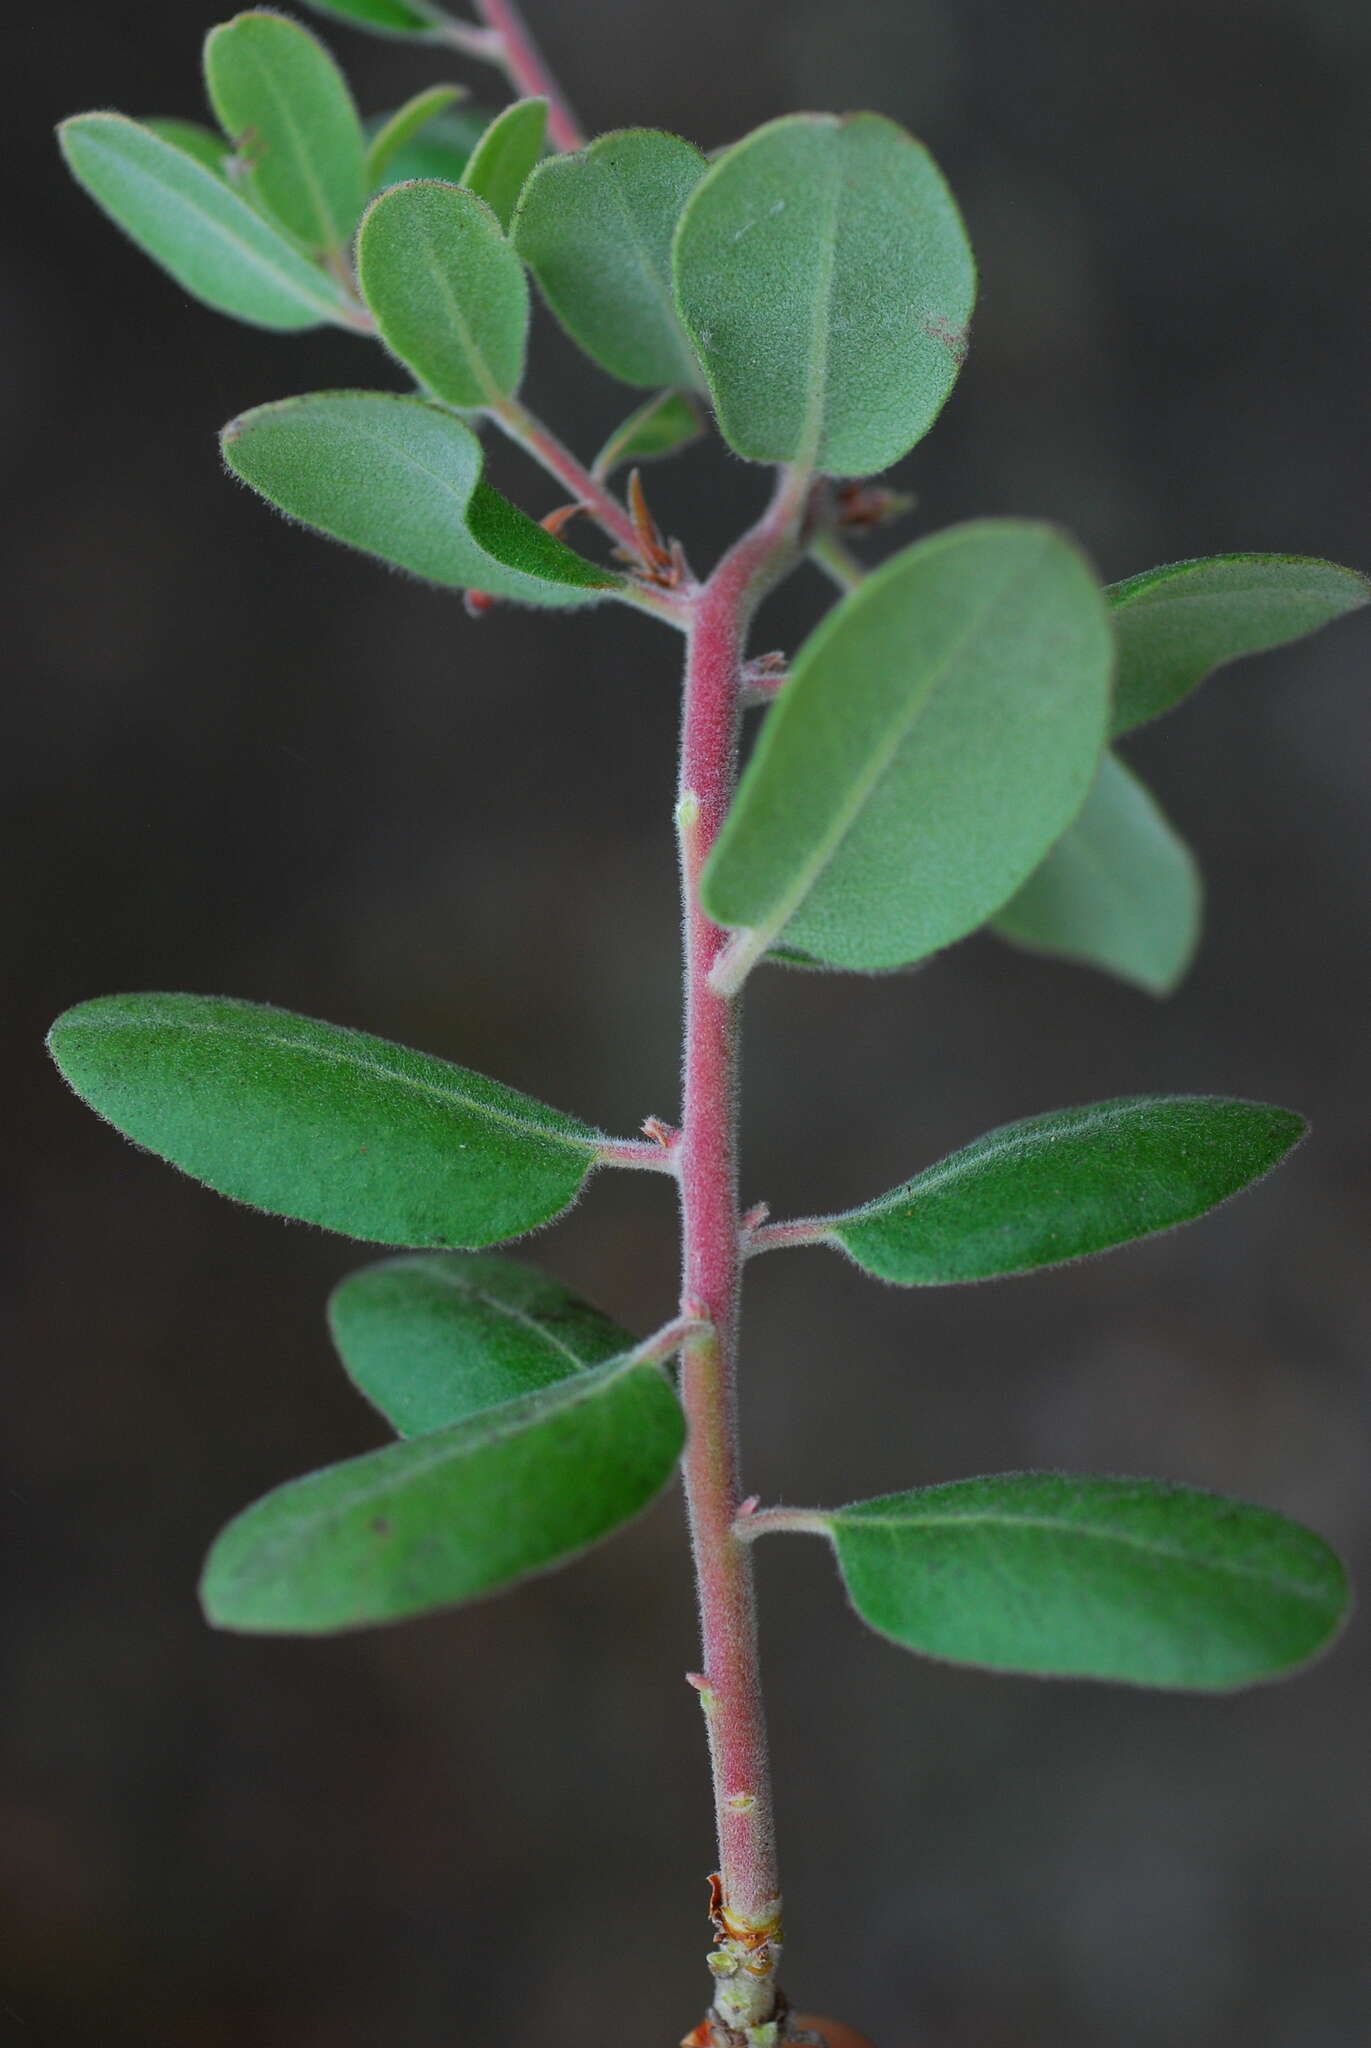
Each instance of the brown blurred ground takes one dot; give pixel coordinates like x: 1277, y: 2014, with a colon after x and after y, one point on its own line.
x: 239, y: 761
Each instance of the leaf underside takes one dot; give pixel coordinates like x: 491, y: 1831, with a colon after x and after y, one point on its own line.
x: 824, y: 276
x: 1120, y: 890
x: 449, y: 294
x: 401, y: 479
x: 939, y: 730
x: 280, y: 96
x: 1177, y: 624
x: 184, y: 215
x: 595, y: 227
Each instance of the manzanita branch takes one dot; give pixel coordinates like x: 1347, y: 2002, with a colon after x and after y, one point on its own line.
x: 749, y: 1909
x: 866, y: 835
x: 539, y: 441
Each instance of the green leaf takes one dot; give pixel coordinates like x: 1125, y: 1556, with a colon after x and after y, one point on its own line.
x: 447, y: 1517
x: 323, y: 1124
x: 204, y: 144
x: 399, y: 129
x: 387, y: 17
x: 1059, y: 1576
x: 401, y: 479
x: 279, y: 94
x: 505, y: 155
x: 449, y: 294
x: 595, y: 227
x: 187, y: 219
x: 1179, y: 623
x: 432, y: 1340
x: 663, y: 425
x: 824, y: 275
x: 1119, y: 890
x: 939, y: 731
x: 441, y: 149
x: 1063, y: 1185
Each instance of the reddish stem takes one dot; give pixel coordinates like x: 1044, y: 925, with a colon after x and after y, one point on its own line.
x: 750, y: 1906
x: 523, y: 61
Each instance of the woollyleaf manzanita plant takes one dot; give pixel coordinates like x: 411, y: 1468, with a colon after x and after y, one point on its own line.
x: 936, y: 758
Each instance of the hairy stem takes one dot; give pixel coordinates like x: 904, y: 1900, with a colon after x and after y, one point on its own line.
x: 542, y: 444
x: 513, y: 48
x: 748, y: 1914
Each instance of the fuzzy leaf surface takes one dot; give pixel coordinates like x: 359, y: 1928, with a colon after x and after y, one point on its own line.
x: 1065, y: 1184
x: 504, y: 157
x: 663, y: 425
x: 1120, y: 890
x: 398, y: 130
x: 401, y: 479
x: 279, y: 94
x: 940, y: 729
x: 447, y: 1517
x: 1177, y: 624
x: 323, y: 1124
x: 823, y: 272
x: 1059, y: 1576
x: 195, y: 226
x: 595, y: 227
x: 433, y: 1339
x: 449, y: 294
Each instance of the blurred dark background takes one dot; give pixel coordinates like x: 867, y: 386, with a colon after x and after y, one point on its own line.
x: 242, y: 761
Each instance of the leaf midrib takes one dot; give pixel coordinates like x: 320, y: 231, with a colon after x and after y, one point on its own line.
x: 943, y: 1172
x: 559, y: 1399
x: 334, y: 233
x: 199, y: 215
x: 884, y: 756
x: 447, y: 1100
x: 1058, y: 1525
x: 658, y: 286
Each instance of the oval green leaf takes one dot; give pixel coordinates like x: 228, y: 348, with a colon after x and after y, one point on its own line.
x: 1056, y: 1576
x: 666, y: 423
x: 401, y: 479
x: 503, y: 159
x: 432, y: 1340
x: 189, y: 221
x: 401, y: 128
x: 1120, y: 890
x: 448, y: 1517
x: 595, y: 227
x: 1063, y: 1185
x: 449, y: 294
x: 279, y: 94
x: 386, y: 17
x: 323, y: 1124
x: 824, y: 275
x: 939, y: 731
x: 1177, y: 624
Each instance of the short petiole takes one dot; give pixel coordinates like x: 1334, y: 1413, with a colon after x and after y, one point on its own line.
x: 781, y: 1521
x: 775, y: 1237
x: 647, y: 1157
